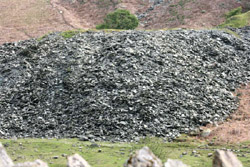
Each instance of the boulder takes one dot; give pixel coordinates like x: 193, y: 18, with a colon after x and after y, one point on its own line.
x: 36, y: 163
x: 77, y: 161
x: 225, y: 159
x: 5, y: 160
x: 174, y: 163
x: 143, y: 158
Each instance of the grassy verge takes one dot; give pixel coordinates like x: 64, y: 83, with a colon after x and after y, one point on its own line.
x: 54, y: 151
x: 237, y: 21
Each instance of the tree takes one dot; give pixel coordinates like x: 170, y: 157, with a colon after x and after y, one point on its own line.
x: 119, y: 19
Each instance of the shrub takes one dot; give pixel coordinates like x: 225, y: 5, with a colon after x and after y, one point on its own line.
x: 234, y: 12
x: 119, y: 19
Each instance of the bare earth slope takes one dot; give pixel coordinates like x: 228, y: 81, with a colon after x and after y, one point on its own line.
x: 26, y: 19
x: 32, y: 18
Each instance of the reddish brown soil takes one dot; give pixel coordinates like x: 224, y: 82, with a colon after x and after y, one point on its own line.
x: 237, y: 127
x: 25, y: 19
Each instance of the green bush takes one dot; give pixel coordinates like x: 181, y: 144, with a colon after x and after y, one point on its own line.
x: 237, y: 21
x: 119, y: 19
x: 234, y: 12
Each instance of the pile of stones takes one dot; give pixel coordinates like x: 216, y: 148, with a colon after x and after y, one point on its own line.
x: 121, y: 85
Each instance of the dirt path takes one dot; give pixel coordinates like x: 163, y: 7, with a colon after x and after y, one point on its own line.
x: 68, y: 17
x: 20, y: 20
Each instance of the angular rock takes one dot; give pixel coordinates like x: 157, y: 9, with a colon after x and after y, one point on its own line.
x: 225, y: 159
x: 120, y: 86
x: 77, y: 161
x: 143, y: 158
x: 5, y: 160
x: 174, y: 163
x: 36, y: 163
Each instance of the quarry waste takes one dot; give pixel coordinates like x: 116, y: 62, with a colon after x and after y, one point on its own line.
x: 121, y: 86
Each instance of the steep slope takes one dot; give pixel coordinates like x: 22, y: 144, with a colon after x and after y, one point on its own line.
x: 157, y: 14
x: 32, y: 18
x: 26, y: 19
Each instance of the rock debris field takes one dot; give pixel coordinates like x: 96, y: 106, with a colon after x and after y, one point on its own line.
x: 120, y: 86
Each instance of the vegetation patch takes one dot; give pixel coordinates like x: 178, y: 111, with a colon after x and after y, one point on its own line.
x: 105, y: 154
x: 119, y: 19
x: 70, y: 33
x: 237, y: 21
x: 233, y: 12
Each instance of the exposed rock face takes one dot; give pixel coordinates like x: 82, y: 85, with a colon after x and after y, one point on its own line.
x: 143, y: 158
x: 226, y: 159
x: 174, y: 163
x: 121, y: 85
x: 5, y: 160
x: 36, y: 163
x: 77, y: 161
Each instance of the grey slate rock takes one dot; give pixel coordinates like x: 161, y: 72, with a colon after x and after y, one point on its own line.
x: 36, y: 163
x: 226, y: 159
x: 5, y: 160
x: 77, y: 161
x: 143, y: 158
x: 174, y: 163
x: 120, y: 86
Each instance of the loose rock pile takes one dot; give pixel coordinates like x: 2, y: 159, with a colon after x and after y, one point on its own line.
x: 121, y: 85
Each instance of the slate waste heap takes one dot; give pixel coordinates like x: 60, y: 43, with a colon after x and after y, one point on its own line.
x: 121, y: 85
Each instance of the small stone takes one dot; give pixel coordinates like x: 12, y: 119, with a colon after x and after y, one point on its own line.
x: 94, y: 145
x: 64, y: 155
x: 55, y: 157
x: 99, y: 150
x: 205, y: 133
x: 210, y: 154
x: 83, y: 138
x: 184, y: 153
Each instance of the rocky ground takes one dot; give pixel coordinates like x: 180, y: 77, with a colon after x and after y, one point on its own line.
x: 121, y: 86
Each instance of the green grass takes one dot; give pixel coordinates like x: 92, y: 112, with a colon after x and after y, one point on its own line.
x: 70, y: 33
x: 233, y: 12
x: 237, y: 21
x: 114, y: 154
x: 229, y: 32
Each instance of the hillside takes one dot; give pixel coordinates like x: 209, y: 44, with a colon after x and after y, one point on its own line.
x: 26, y: 19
